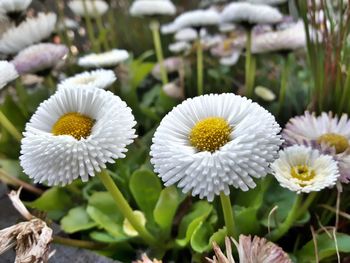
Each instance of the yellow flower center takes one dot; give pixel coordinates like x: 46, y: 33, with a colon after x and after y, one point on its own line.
x: 302, y: 172
x: 73, y: 124
x: 339, y: 142
x: 210, y: 134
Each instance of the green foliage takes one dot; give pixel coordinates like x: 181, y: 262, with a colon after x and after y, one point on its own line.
x: 77, y: 220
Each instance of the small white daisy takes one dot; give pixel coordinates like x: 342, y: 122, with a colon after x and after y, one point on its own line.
x: 39, y: 57
x: 303, y: 169
x: 13, y: 6
x: 106, y: 59
x: 91, y: 8
x: 250, y: 13
x: 180, y: 47
x: 170, y: 28
x: 8, y: 73
x: 208, y: 143
x: 264, y: 93
x: 186, y: 35
x: 100, y: 78
x: 197, y: 18
x: 74, y: 134
x: 29, y: 32
x: 152, y: 8
x: 227, y: 27
x: 232, y: 59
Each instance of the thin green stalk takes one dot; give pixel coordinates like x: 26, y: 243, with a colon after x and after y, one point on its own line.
x: 154, y: 26
x: 90, y: 30
x: 346, y: 94
x: 102, y: 31
x: 200, y: 89
x: 228, y: 215
x: 112, y: 22
x: 5, y: 122
x: 308, y: 201
x: 284, y: 83
x: 78, y: 243
x: 288, y: 223
x: 250, y: 65
x: 125, y: 208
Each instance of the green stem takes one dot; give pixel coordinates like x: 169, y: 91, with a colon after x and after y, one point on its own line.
x: 228, y: 215
x: 4, y: 121
x: 308, y: 201
x: 90, y: 29
x: 250, y: 65
x: 101, y: 28
x: 199, y: 67
x: 78, y: 243
x: 125, y: 208
x: 154, y: 26
x: 288, y: 223
x: 284, y: 84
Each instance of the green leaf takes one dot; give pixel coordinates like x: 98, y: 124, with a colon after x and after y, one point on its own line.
x: 246, y: 220
x: 199, y: 212
x: 76, y: 220
x: 203, y: 237
x: 325, y: 247
x: 104, y: 237
x: 54, y: 201
x: 166, y: 207
x: 105, y: 203
x: 145, y: 187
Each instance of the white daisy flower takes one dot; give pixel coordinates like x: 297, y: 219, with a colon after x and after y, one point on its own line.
x: 232, y: 59
x: 67, y: 23
x: 74, y: 134
x: 264, y: 93
x: 208, y: 143
x: 250, y: 13
x: 171, y: 65
x: 197, y: 18
x: 91, y: 8
x: 100, y: 78
x: 152, y: 8
x: 330, y: 134
x: 267, y: 2
x: 209, y: 41
x: 227, y: 27
x: 106, y: 59
x: 180, y: 47
x: 5, y: 24
x: 13, y: 6
x: 8, y: 73
x: 302, y: 169
x: 186, y: 35
x: 170, y: 28
x: 39, y: 57
x: 31, y: 31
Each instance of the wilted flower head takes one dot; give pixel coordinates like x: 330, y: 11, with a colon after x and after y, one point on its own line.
x: 31, y: 31
x: 146, y: 259
x: 186, y: 34
x: 39, y: 57
x: 250, y: 13
x: 328, y: 133
x: 91, y: 8
x: 13, y: 6
x: 303, y: 169
x: 172, y: 64
x: 106, y: 59
x: 212, y: 142
x: 8, y: 73
x: 152, y: 8
x: 197, y: 18
x: 180, y: 47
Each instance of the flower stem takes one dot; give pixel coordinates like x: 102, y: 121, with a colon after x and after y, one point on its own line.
x: 250, y: 65
x: 228, y: 215
x: 288, y: 223
x: 154, y: 26
x: 4, y: 121
x: 90, y: 29
x: 199, y: 67
x: 284, y: 83
x: 78, y: 243
x: 125, y: 208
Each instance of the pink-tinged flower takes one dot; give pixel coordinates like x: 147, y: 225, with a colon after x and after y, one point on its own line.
x: 39, y: 57
x: 327, y: 133
x: 171, y: 65
x: 256, y: 250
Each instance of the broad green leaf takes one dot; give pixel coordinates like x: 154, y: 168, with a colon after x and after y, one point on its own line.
x: 145, y: 187
x: 104, y: 202
x: 246, y: 220
x: 139, y: 71
x: 203, y: 237
x: 166, y: 207
x: 54, y: 201
x: 76, y: 220
x: 104, y: 237
x: 325, y: 246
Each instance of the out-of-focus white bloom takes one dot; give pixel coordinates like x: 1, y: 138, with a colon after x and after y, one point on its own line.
x: 8, y: 73
x: 173, y: 90
x: 264, y: 93
x: 129, y: 229
x: 13, y: 6
x: 31, y: 31
x: 90, y: 8
x: 39, y: 57
x: 106, y: 59
x: 267, y: 2
x: 231, y: 60
x: 209, y: 41
x: 250, y: 13
x: 227, y: 27
x: 212, y: 142
x: 170, y: 28
x: 197, y: 18
x: 179, y: 47
x: 152, y: 7
x: 5, y: 24
x: 67, y: 23
x: 74, y: 134
x: 186, y: 35
x: 303, y: 169
x: 171, y: 65
x: 100, y: 78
